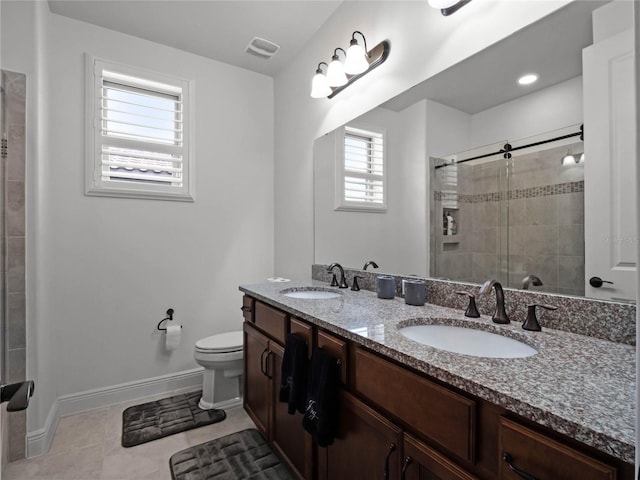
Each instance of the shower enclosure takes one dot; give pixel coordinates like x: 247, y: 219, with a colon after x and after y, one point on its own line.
x: 511, y: 210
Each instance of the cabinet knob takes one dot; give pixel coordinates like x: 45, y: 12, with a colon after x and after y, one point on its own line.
x: 596, y: 282
x: 521, y: 473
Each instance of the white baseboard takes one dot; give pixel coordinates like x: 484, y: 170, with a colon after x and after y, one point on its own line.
x: 39, y: 441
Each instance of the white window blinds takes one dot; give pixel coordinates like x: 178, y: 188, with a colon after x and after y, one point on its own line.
x: 363, y: 170
x: 140, y: 136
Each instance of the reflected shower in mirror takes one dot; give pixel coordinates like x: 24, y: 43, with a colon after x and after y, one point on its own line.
x: 514, y: 218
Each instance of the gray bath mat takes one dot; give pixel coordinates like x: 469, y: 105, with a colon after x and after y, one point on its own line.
x: 240, y: 456
x: 150, y: 421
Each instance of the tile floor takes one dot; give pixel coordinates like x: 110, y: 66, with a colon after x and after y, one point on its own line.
x: 86, y: 446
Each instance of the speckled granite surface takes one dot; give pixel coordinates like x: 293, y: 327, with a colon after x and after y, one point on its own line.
x: 578, y: 385
x: 613, y: 321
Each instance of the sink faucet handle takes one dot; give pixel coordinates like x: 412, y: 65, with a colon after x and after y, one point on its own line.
x: 355, y: 287
x: 531, y: 323
x: 334, y: 281
x: 472, y: 310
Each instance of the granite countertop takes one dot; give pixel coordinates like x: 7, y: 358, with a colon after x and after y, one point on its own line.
x: 577, y: 385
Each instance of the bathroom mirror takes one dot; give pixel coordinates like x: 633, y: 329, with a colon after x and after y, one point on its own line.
x: 473, y: 108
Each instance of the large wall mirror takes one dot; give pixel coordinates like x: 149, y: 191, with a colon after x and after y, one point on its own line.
x: 464, y: 176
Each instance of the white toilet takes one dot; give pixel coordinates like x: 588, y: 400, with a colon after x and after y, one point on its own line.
x: 221, y: 356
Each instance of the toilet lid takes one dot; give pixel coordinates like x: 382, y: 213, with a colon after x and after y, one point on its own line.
x: 223, y: 342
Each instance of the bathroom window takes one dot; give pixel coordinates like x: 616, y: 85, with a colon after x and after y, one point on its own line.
x: 138, y: 136
x: 361, y: 178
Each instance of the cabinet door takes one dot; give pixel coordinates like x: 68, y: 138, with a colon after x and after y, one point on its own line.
x: 543, y: 458
x: 256, y: 383
x: 366, y: 447
x: 421, y: 462
x: 289, y: 437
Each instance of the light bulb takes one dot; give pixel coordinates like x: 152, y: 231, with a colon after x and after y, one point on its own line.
x: 568, y: 159
x: 442, y: 4
x: 320, y: 86
x: 528, y: 79
x: 335, y: 73
x: 356, y: 61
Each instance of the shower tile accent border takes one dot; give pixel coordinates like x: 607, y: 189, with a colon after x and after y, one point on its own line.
x: 529, y: 192
x: 606, y: 320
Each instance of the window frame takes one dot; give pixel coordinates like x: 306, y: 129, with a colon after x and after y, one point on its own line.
x: 95, y: 185
x: 341, y: 204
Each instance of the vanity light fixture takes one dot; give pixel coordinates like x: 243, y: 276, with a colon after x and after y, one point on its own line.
x: 319, y: 85
x: 568, y: 159
x: 528, y: 79
x: 335, y: 71
x: 448, y: 7
x: 358, y: 62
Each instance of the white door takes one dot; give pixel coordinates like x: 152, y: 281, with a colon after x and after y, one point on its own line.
x: 611, y: 241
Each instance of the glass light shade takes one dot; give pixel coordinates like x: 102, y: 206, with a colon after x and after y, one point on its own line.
x: 356, y: 61
x: 440, y: 4
x: 320, y: 86
x: 568, y: 159
x: 581, y: 158
x: 335, y: 73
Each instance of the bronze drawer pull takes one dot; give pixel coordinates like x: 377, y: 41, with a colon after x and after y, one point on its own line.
x: 522, y: 474
x: 392, y: 448
x: 407, y: 462
x: 262, y: 368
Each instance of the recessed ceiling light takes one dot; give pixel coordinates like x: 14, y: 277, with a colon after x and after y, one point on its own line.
x: 528, y: 79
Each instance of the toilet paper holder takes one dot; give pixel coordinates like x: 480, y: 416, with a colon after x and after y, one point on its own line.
x: 168, y: 317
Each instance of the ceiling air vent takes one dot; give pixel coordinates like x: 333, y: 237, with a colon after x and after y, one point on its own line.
x: 262, y: 48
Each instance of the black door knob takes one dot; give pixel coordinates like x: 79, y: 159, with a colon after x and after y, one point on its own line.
x: 597, y: 282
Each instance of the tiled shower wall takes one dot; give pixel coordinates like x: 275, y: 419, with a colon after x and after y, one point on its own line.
x: 13, y: 243
x: 515, y: 218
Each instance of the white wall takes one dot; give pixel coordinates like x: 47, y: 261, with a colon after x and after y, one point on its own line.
x: 554, y: 107
x: 108, y: 268
x: 423, y: 43
x: 356, y: 237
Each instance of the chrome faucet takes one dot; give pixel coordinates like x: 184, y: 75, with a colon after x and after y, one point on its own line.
x: 370, y: 262
x: 17, y: 394
x: 500, y: 315
x: 530, y: 280
x: 343, y: 281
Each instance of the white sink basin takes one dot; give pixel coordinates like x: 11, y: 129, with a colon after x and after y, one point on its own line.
x: 312, y: 294
x: 468, y: 341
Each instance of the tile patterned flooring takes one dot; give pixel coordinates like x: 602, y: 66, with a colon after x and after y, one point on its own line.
x: 86, y: 446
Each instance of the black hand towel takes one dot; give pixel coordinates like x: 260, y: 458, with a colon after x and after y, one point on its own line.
x: 295, y: 365
x: 321, y: 413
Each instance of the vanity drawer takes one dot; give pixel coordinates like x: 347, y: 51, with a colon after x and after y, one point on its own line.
x: 545, y: 458
x: 302, y: 330
x: 271, y: 321
x: 337, y: 348
x: 445, y: 417
x: 247, y: 308
x: 423, y: 462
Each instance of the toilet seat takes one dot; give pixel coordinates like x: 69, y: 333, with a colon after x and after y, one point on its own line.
x: 222, y: 343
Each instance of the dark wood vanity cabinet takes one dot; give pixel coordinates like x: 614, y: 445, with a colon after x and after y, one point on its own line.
x: 367, y: 446
x: 396, y: 423
x: 264, y: 351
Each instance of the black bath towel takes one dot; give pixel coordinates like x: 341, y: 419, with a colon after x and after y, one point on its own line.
x: 321, y: 413
x: 295, y: 365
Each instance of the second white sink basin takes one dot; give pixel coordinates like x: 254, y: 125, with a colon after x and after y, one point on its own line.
x: 312, y: 294
x: 468, y: 341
